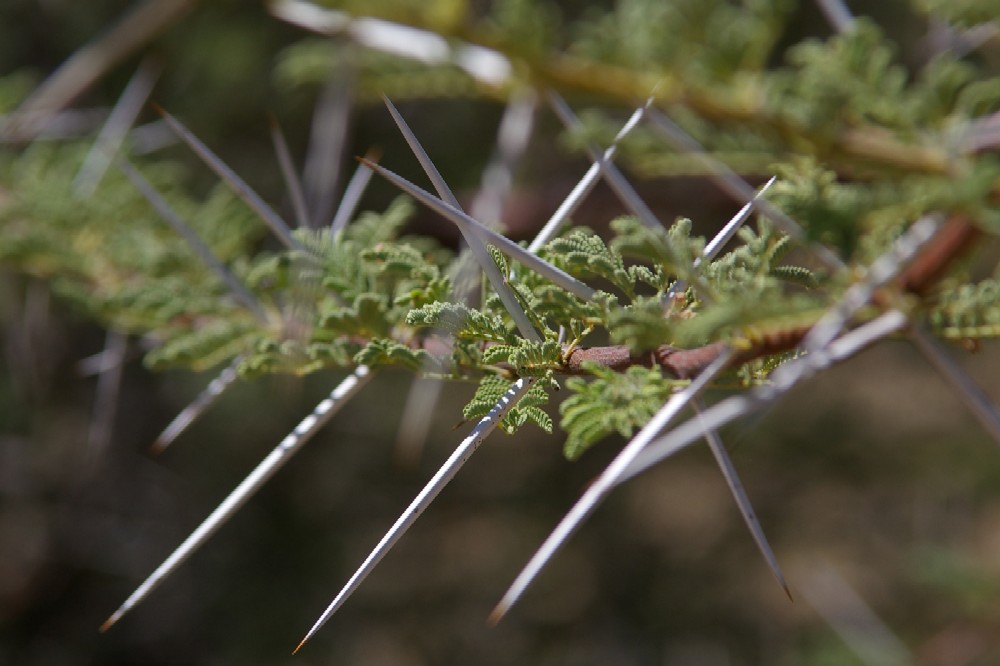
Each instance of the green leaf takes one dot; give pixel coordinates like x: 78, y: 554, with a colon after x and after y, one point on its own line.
x: 492, y: 388
x: 610, y: 403
x: 462, y: 322
x: 384, y: 352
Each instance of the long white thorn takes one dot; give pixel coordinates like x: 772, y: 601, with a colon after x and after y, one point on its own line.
x: 512, y: 139
x: 437, y: 180
x: 109, y: 384
x: 281, y: 454
x: 729, y: 230
x: 604, y: 483
x: 497, y: 279
x: 586, y: 184
x: 237, y: 184
x: 883, y: 269
x: 506, y: 245
x: 720, y: 239
x: 784, y: 379
x: 732, y: 184
x: 614, y: 177
x: 447, y: 471
x: 90, y: 63
x: 198, y: 406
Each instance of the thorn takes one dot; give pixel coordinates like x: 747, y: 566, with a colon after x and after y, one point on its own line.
x: 267, y: 467
x: 430, y: 491
x: 497, y: 614
x: 110, y: 622
x: 232, y: 180
x: 504, y: 244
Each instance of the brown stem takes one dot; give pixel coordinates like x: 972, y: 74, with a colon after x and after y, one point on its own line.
x: 956, y: 237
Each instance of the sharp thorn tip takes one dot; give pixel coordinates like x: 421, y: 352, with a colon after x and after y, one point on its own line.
x: 110, y: 622
x: 497, y: 614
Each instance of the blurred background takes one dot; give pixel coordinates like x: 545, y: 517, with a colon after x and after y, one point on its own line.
x: 878, y: 491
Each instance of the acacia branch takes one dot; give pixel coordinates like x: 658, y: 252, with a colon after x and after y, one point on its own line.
x: 952, y: 241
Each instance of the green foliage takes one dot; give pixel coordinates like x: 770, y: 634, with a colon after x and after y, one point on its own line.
x: 697, y: 39
x: 967, y: 310
x: 492, y: 388
x: 528, y: 358
x: 851, y: 79
x: 462, y: 322
x: 583, y: 254
x: 862, y: 146
x: 312, y: 62
x: 962, y: 13
x: 382, y: 352
x: 610, y: 403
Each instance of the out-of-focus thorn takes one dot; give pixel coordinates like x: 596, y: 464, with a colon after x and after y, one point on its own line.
x: 90, y: 63
x: 198, y: 406
x: 974, y: 398
x: 352, y: 193
x: 288, y: 172
x: 116, y: 127
x: 328, y: 141
x: 237, y: 184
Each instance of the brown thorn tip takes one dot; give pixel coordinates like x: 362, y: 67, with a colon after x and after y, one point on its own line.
x: 109, y: 622
x: 788, y: 592
x: 159, y: 109
x: 157, y: 447
x: 299, y: 646
x: 496, y: 615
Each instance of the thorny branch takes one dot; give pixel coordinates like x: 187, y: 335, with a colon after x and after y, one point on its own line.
x: 954, y: 238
